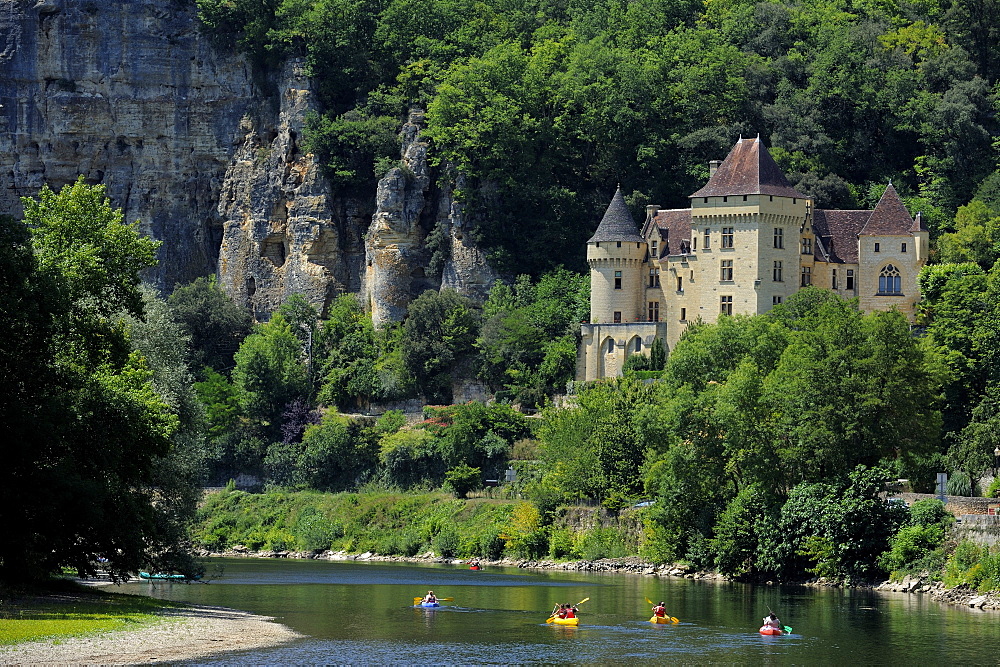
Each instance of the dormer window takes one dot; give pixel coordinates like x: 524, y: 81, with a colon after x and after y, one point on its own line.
x: 655, y: 256
x: 807, y: 246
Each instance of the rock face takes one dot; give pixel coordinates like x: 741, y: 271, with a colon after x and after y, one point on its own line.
x: 284, y: 232
x: 132, y: 95
x: 129, y: 94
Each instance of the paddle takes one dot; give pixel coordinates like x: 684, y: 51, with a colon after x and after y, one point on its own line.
x: 552, y: 618
x: 673, y: 619
x: 416, y: 600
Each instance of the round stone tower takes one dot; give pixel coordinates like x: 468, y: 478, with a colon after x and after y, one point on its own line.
x: 615, y: 254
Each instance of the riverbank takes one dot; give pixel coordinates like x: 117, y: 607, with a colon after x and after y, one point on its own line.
x: 180, y: 633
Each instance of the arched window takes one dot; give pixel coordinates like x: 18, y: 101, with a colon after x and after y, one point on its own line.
x: 889, y: 281
x: 637, y: 345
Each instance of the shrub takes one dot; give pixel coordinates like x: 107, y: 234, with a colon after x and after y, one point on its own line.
x: 959, y: 484
x: 560, y: 543
x: 446, y: 542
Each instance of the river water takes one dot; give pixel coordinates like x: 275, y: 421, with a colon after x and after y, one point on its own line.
x: 362, y: 613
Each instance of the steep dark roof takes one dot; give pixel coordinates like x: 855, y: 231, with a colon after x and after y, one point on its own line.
x: 674, y: 226
x: 748, y: 170
x: 918, y: 224
x: 890, y: 217
x: 617, y: 223
x: 838, y: 232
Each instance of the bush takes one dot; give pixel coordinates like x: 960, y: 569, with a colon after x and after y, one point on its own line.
x: 560, y: 543
x: 959, y: 484
x: 446, y: 542
x: 464, y: 478
x: 491, y: 545
x: 994, y: 488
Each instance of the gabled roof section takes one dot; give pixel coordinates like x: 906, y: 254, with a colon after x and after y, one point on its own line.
x: 890, y: 217
x: 838, y: 232
x: 749, y: 169
x: 675, y: 226
x: 918, y: 224
x: 617, y: 223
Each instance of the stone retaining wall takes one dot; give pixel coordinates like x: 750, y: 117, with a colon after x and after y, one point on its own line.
x: 957, y: 505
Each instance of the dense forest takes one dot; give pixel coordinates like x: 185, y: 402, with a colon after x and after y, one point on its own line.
x: 761, y: 447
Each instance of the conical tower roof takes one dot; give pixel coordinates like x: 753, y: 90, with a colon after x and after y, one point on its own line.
x: 617, y: 223
x: 749, y: 169
x: 890, y: 217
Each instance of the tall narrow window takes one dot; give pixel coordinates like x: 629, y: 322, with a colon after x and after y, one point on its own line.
x: 903, y: 248
x: 726, y: 270
x: 653, y: 251
x: 833, y: 280
x: 684, y: 314
x: 638, y: 344
x: 657, y: 276
x: 807, y: 246
x: 806, y: 276
x: 889, y: 281
x: 779, y: 237
x: 619, y: 244
x: 652, y: 277
x: 726, y: 305
x: 618, y: 317
x: 618, y: 279
x: 727, y: 237
x: 653, y: 311
x: 680, y: 284
x: 850, y: 280
x: 694, y: 243
x: 611, y: 346
x: 777, y: 272
x: 708, y: 238
x: 877, y: 247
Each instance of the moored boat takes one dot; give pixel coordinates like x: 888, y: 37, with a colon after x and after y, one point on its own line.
x: 168, y: 577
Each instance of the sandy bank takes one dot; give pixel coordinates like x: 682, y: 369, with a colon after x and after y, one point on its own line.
x: 184, y: 634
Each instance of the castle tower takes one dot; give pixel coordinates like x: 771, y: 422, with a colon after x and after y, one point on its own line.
x: 751, y: 238
x: 618, y: 326
x: 892, y: 248
x: 615, y: 254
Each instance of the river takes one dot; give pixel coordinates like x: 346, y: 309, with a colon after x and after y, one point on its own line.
x: 356, y: 612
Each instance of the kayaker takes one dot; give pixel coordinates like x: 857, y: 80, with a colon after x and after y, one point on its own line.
x: 430, y: 598
x: 571, y: 611
x: 660, y: 611
x: 771, y: 621
x: 561, y: 613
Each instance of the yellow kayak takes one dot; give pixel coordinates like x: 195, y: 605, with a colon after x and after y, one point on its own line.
x: 566, y: 621
x: 663, y: 619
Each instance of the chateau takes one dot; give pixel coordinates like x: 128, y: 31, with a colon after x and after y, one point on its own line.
x: 748, y: 241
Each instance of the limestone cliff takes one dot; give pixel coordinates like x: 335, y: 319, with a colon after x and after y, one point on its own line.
x: 129, y: 94
x: 284, y: 231
x: 206, y: 156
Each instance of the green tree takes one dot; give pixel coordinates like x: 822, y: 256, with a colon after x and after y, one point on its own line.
x: 270, y: 373
x: 85, y: 422
x: 215, y: 324
x: 438, y: 336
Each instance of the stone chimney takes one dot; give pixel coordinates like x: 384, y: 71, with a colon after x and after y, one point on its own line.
x: 713, y: 166
x: 651, y: 210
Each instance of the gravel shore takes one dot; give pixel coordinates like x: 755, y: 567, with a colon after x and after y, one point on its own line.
x: 185, y: 634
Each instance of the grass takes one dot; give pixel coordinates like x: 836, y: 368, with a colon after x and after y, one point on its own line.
x: 65, y: 609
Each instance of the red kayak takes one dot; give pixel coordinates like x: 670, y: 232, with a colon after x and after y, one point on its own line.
x: 474, y: 567
x: 770, y: 630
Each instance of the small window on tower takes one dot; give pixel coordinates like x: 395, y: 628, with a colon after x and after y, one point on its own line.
x: 619, y: 243
x: 618, y: 317
x: 680, y: 284
x: 850, y: 279
x: 903, y: 249
x: 618, y: 279
x: 684, y: 314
